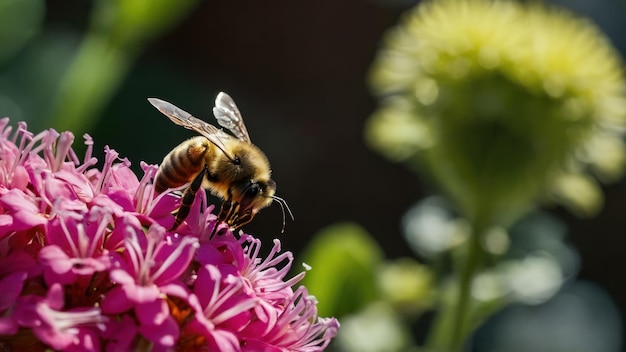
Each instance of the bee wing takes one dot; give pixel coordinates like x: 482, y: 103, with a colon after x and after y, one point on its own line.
x: 228, y: 116
x: 185, y: 119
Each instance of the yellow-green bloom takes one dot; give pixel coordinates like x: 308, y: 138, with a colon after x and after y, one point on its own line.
x: 502, y: 103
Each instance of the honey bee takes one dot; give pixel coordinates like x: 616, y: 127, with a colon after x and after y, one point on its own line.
x: 229, y: 166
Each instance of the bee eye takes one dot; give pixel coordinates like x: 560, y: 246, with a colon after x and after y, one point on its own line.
x: 253, y: 190
x: 237, y: 161
x: 249, y: 194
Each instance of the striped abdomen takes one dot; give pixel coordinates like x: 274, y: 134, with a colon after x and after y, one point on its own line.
x: 182, y: 164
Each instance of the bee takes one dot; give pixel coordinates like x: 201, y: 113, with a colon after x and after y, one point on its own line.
x: 229, y: 166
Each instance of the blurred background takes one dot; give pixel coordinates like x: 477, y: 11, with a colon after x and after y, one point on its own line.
x: 298, y: 72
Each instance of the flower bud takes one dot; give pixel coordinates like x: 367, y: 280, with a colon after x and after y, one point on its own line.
x: 503, y: 101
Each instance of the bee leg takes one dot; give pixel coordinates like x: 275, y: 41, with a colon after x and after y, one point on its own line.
x: 228, y: 213
x: 225, y: 210
x: 225, y: 213
x: 187, y: 200
x: 240, y: 221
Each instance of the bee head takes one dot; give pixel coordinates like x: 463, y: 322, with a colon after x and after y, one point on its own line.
x: 245, y: 201
x: 256, y: 195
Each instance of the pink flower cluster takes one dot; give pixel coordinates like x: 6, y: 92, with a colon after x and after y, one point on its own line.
x: 86, y: 263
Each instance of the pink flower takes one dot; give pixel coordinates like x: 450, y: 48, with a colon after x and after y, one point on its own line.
x: 75, y: 245
x: 86, y: 263
x: 148, y: 271
x: 222, y: 308
x: 68, y: 330
x: 298, y: 328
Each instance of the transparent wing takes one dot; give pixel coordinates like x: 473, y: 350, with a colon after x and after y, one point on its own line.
x: 185, y: 119
x: 229, y: 117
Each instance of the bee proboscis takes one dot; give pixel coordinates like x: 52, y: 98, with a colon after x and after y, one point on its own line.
x: 229, y: 166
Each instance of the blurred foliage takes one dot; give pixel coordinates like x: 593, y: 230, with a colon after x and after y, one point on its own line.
x: 64, y: 79
x: 118, y: 31
x: 345, y: 259
x: 378, y: 300
x: 373, y: 297
x: 377, y: 327
x: 16, y: 30
x: 405, y: 285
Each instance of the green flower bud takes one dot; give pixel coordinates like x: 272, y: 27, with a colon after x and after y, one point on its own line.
x: 501, y: 103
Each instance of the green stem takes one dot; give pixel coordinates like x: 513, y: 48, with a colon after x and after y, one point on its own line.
x: 460, y: 318
x: 455, y: 319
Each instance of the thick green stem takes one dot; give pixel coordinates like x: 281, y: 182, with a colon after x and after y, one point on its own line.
x: 460, y: 327
x: 455, y: 321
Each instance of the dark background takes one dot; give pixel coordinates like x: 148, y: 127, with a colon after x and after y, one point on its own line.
x: 297, y: 70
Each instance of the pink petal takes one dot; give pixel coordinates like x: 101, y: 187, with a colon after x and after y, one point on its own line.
x: 209, y: 254
x: 11, y: 286
x: 124, y: 178
x: 86, y: 341
x: 78, y: 183
x: 224, y: 341
x: 254, y: 345
x: 51, y: 337
x: 141, y: 294
x: 20, y: 178
x: 5, y: 220
x: 55, y: 297
x: 55, y: 258
x: 115, y: 301
x: 15, y: 200
x: 23, y: 210
x: 122, y: 199
x: 118, y: 202
x: 162, y: 210
x: 57, y: 189
x: 88, y: 266
x: 176, y: 290
x: 152, y: 313
x: 120, y: 334
x: 24, y: 219
x: 174, y: 259
x: 57, y: 266
x: 8, y: 326
x: 122, y: 277
x: 19, y: 261
x: 24, y: 312
x: 115, y: 241
x: 164, y: 335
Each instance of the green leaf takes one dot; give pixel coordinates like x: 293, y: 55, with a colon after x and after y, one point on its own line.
x: 344, y: 258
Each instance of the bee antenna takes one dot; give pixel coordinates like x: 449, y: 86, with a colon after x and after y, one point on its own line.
x: 283, y: 206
